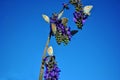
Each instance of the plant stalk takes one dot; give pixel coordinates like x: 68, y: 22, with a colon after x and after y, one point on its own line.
x: 43, y: 56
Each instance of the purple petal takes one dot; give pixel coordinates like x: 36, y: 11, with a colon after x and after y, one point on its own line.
x: 74, y: 19
x: 83, y: 21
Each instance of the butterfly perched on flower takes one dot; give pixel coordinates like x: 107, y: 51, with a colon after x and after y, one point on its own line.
x: 50, y: 51
x: 52, y: 70
x: 46, y: 18
x: 87, y: 9
x: 80, y: 15
x: 59, y: 28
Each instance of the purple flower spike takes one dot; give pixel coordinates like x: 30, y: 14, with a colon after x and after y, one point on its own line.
x: 79, y: 18
x: 52, y: 70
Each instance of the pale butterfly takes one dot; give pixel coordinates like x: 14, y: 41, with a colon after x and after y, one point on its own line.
x: 60, y: 14
x: 46, y: 18
x: 50, y: 51
x: 87, y: 9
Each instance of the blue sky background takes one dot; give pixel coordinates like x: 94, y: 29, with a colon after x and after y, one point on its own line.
x: 93, y: 54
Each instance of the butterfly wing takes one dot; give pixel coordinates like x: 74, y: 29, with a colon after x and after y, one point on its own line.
x: 46, y: 18
x: 53, y: 27
x: 50, y: 51
x: 87, y: 9
x: 60, y: 14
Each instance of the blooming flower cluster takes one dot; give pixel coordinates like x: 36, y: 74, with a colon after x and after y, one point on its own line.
x: 79, y: 18
x: 62, y: 32
x: 79, y: 15
x: 52, y: 71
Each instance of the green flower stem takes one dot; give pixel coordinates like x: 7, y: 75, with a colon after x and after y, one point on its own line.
x: 44, y: 55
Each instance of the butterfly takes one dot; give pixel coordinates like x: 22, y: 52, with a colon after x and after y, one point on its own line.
x: 81, y: 16
x: 46, y: 18
x: 87, y: 9
x: 53, y: 26
x: 50, y: 51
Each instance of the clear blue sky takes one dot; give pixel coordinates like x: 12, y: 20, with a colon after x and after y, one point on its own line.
x: 93, y: 54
